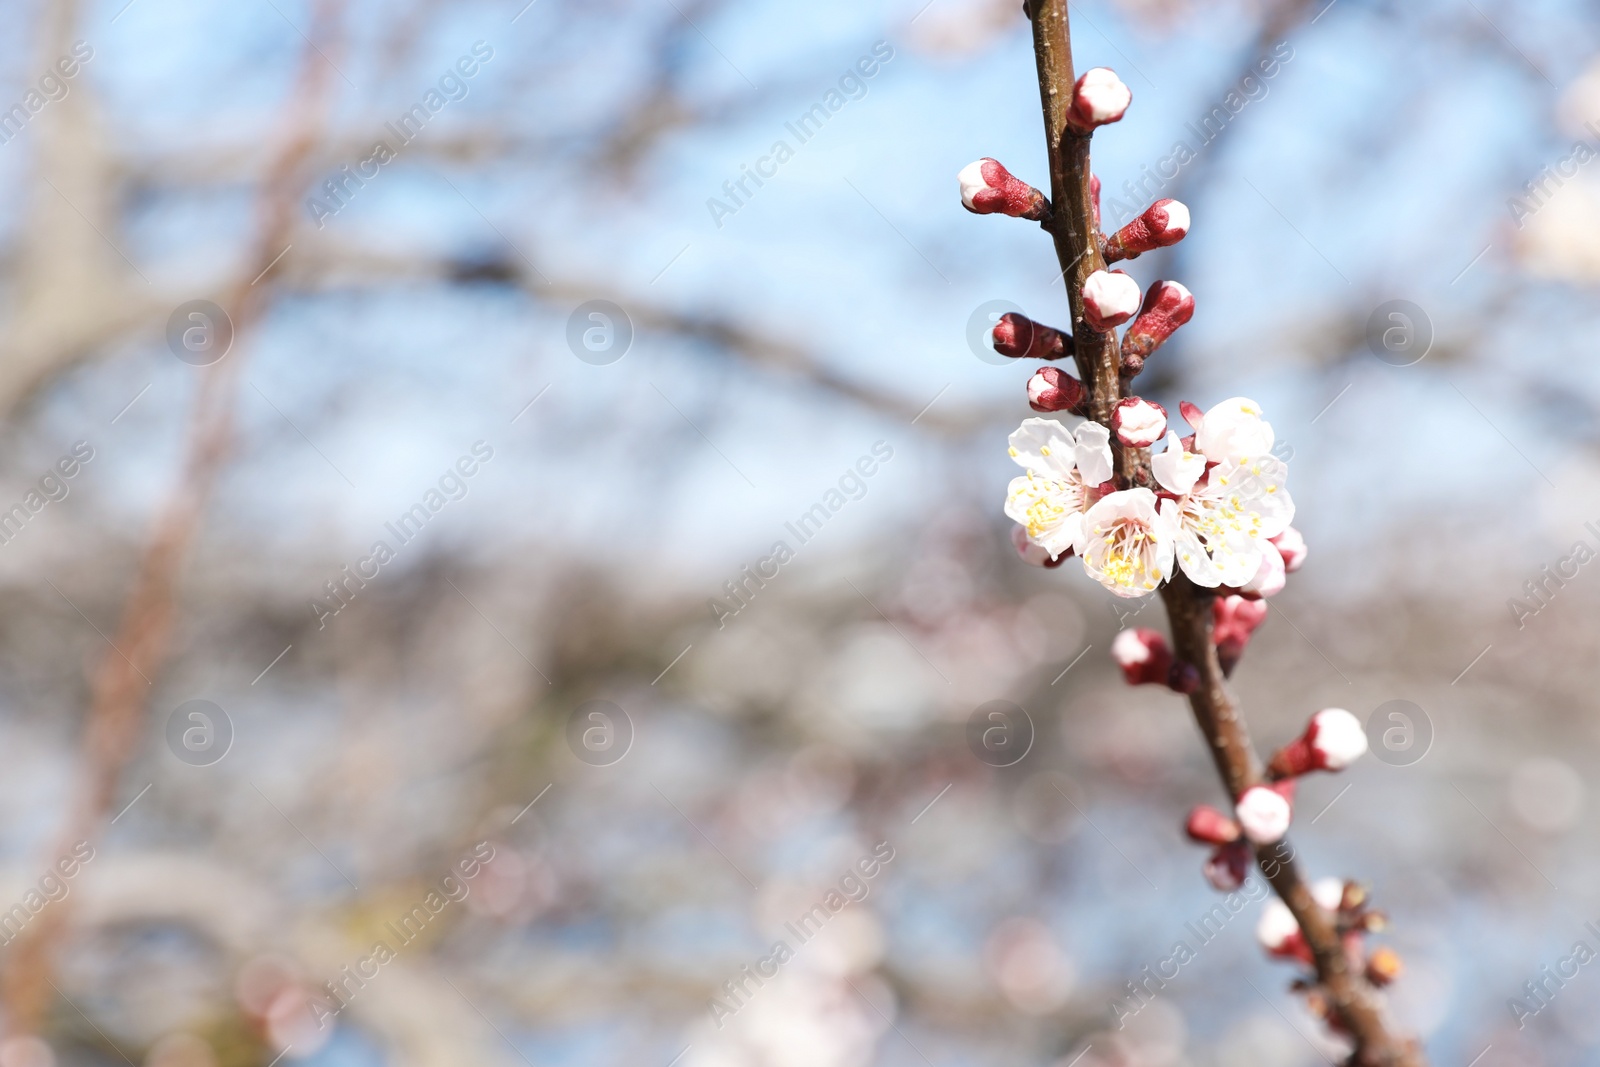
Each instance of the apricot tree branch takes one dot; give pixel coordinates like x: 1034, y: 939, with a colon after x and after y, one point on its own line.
x: 1189, y: 607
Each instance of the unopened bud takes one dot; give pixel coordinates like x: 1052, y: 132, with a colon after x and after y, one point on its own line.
x: 1143, y: 656
x: 1264, y: 814
x: 987, y: 188
x: 1279, y: 933
x: 1210, y: 826
x: 1163, y: 223
x: 1053, y: 389
x: 1033, y: 554
x: 1329, y: 893
x: 1384, y: 966
x: 1138, y: 422
x: 1022, y: 338
x: 1166, y: 306
x: 1292, y: 547
x: 1098, y: 97
x: 1228, y: 866
x: 1333, y: 740
x: 1110, y: 298
x: 1234, y: 619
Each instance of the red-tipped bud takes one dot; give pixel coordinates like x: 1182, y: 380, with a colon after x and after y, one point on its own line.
x: 1053, y: 389
x: 987, y: 188
x: 1022, y: 338
x: 1279, y: 933
x: 1384, y: 967
x: 1292, y: 547
x: 1143, y: 656
x: 1031, y: 553
x: 1191, y: 413
x: 1264, y: 814
x: 1166, y: 306
x: 1333, y: 740
x: 1094, y: 199
x: 1138, y: 422
x: 1234, y: 619
x: 1099, y: 97
x: 1163, y: 223
x: 1210, y: 826
x: 1110, y: 298
x: 1228, y: 866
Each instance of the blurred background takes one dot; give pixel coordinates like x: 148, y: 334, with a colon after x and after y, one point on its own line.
x: 580, y: 742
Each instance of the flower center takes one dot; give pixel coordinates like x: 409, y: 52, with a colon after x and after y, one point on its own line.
x: 1128, y: 555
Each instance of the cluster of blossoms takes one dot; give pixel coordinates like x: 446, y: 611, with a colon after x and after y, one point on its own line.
x: 1218, y: 511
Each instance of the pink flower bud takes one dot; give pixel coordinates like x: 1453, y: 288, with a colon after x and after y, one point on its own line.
x: 1032, y: 554
x: 1228, y: 866
x: 1053, y: 389
x: 987, y: 188
x: 1099, y: 97
x: 1163, y: 223
x: 1166, y: 306
x: 1333, y: 740
x: 1234, y: 619
x: 1138, y: 422
x: 1279, y: 933
x: 1263, y: 814
x: 1110, y: 298
x: 1210, y: 826
x: 1292, y: 547
x: 1143, y: 656
x: 1022, y: 338
x: 1191, y: 414
x: 1094, y: 198
x: 1269, y: 579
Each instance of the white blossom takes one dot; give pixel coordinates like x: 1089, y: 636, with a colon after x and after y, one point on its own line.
x: 1126, y: 543
x: 1064, y: 467
x: 1221, y: 522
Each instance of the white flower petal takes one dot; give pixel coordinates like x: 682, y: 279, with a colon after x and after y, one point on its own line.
x: 1050, y: 512
x: 1093, y: 452
x: 1235, y: 430
x: 1192, y: 556
x: 1045, y: 447
x: 1176, y: 471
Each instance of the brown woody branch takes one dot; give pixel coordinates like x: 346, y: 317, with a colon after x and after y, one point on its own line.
x: 1189, y: 608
